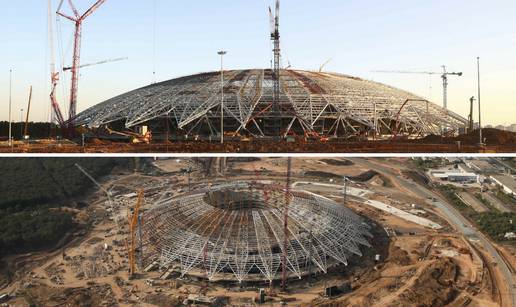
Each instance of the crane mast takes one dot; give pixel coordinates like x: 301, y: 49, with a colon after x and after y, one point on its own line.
x: 134, y: 226
x: 470, y: 117
x: 78, y: 20
x: 26, y: 131
x: 275, y: 37
x: 444, y: 76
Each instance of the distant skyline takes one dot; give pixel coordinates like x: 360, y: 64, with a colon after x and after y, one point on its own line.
x: 359, y: 36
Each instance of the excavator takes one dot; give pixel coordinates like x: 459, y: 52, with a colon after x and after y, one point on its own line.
x: 312, y: 135
x: 237, y: 135
x: 135, y: 138
x: 308, y: 135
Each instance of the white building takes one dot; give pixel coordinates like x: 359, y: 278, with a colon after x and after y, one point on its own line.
x: 457, y: 177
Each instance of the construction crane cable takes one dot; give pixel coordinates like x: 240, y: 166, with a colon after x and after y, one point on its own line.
x: 62, y: 55
x: 154, y: 43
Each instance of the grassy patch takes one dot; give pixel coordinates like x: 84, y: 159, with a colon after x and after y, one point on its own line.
x: 426, y: 164
x: 506, y: 199
x: 495, y: 224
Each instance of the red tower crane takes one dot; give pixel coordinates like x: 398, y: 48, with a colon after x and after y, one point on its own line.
x: 78, y: 20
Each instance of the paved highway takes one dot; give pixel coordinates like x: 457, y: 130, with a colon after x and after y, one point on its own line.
x: 454, y: 218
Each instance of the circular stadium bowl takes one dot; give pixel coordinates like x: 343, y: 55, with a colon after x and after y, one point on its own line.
x: 235, y: 232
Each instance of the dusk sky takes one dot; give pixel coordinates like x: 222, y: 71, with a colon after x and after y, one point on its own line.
x: 360, y: 37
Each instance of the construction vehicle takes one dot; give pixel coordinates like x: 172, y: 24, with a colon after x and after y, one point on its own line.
x: 26, y: 131
x: 237, y: 135
x: 136, y: 138
x: 312, y: 135
x: 307, y: 136
x: 135, y: 223
x: 444, y: 76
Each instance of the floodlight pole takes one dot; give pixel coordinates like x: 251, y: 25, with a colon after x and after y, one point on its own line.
x: 222, y: 53
x: 21, y: 124
x: 10, y: 105
x: 479, y: 109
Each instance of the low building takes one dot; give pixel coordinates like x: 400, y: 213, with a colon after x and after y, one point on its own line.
x: 456, y: 176
x: 463, y: 177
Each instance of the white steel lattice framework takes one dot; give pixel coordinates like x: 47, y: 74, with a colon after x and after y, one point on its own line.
x: 328, y: 104
x: 234, y: 232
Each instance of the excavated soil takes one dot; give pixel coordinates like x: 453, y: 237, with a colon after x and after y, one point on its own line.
x: 94, y: 295
x: 491, y: 136
x: 336, y: 162
x: 434, y: 286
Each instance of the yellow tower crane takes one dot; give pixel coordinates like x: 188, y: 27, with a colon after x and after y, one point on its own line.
x: 133, y: 227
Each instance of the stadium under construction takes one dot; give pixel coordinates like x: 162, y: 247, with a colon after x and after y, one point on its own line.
x: 271, y: 109
x: 310, y: 104
x: 268, y: 103
x: 242, y: 231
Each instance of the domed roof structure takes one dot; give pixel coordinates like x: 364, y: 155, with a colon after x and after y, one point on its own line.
x: 310, y: 102
x: 235, y: 232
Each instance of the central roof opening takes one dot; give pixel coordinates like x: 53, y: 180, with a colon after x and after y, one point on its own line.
x: 236, y: 200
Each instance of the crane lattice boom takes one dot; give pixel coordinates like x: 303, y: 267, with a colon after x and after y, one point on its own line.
x: 98, y: 63
x: 78, y: 20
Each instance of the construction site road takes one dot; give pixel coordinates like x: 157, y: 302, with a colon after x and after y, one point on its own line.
x: 459, y: 222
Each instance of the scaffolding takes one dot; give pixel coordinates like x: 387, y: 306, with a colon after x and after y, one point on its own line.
x: 235, y: 232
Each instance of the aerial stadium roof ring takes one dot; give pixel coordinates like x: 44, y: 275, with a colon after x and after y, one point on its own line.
x: 328, y: 104
x: 235, y: 232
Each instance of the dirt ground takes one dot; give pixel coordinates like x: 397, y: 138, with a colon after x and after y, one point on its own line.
x: 417, y: 265
x: 259, y: 146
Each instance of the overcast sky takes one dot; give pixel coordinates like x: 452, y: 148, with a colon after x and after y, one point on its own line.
x: 360, y: 36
